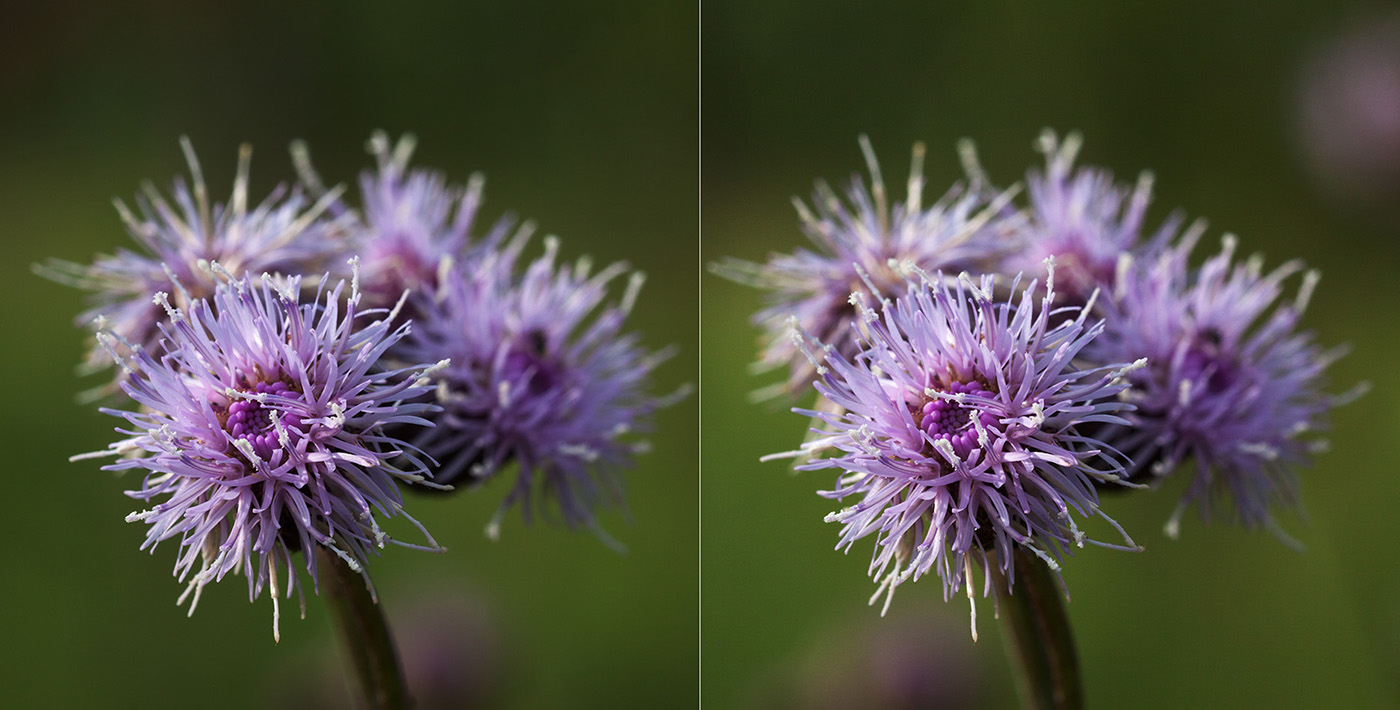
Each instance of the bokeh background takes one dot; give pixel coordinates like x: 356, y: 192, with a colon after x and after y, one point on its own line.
x: 1279, y: 124
x: 582, y: 118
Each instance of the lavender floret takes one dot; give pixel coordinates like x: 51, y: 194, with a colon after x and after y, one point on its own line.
x: 414, y: 226
x: 285, y: 234
x: 960, y: 431
x: 858, y: 246
x: 542, y: 376
x: 1233, y: 383
x: 262, y: 428
x: 1084, y: 219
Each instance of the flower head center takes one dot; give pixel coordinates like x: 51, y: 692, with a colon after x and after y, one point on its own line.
x: 527, y: 363
x: 398, y: 265
x: 952, y: 421
x: 253, y: 421
x: 1207, y: 361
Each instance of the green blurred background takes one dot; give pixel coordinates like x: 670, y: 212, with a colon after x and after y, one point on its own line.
x: 1208, y: 96
x: 583, y: 118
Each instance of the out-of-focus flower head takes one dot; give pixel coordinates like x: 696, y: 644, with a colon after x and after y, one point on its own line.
x: 915, y: 663
x: 1349, y: 111
x: 858, y: 246
x: 262, y: 428
x: 1232, y: 383
x: 454, y: 648
x: 1084, y: 219
x: 542, y: 375
x: 284, y: 234
x: 961, y: 431
x: 414, y: 226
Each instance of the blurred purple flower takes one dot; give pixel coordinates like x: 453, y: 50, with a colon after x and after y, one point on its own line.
x: 262, y: 428
x: 454, y: 649
x: 1349, y: 113
x: 542, y: 376
x: 859, y: 245
x: 454, y: 646
x: 283, y: 234
x: 1084, y: 219
x: 914, y: 664
x: 961, y: 431
x: 1231, y: 382
x: 415, y: 225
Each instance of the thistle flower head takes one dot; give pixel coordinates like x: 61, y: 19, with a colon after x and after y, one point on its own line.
x: 862, y: 245
x: 178, y: 243
x: 1084, y: 219
x: 262, y: 428
x: 958, y: 431
x: 415, y: 225
x: 1232, y: 382
x: 542, y: 376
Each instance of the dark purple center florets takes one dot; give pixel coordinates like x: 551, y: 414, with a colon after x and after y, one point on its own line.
x: 1078, y: 271
x: 396, y: 265
x: 949, y: 420
x: 251, y: 420
x: 527, y: 362
x: 1207, y: 360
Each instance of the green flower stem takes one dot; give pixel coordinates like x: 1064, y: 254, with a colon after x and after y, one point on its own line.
x: 364, y: 633
x: 1038, y: 636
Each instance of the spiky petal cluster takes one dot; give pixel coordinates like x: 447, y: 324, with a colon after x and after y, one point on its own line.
x: 542, y: 375
x: 859, y: 246
x: 262, y: 428
x: 1084, y: 219
x: 960, y: 431
x: 414, y: 225
x: 283, y: 234
x: 1232, y: 383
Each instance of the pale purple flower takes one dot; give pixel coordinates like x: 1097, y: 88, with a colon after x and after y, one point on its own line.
x: 960, y: 431
x: 858, y: 246
x: 1084, y: 219
x: 543, y: 376
x: 414, y: 225
x: 283, y: 234
x: 1232, y: 383
x: 262, y: 428
x: 1349, y: 110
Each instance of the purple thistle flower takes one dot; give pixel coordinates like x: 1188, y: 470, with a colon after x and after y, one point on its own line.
x: 262, y: 428
x: 542, y: 375
x: 1084, y: 219
x: 414, y: 227
x: 961, y: 431
x: 859, y: 245
x: 283, y: 234
x: 1231, y: 382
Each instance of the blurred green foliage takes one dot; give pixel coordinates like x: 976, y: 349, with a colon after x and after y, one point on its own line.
x: 1204, y: 95
x: 582, y: 118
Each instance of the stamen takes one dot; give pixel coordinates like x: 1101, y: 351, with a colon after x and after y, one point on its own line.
x: 971, y: 600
